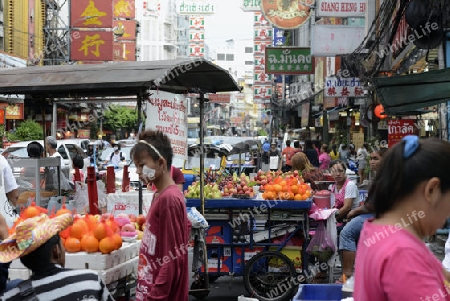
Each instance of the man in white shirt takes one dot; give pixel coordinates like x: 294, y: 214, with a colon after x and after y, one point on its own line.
x: 50, y: 146
x: 116, y: 156
x: 51, y: 180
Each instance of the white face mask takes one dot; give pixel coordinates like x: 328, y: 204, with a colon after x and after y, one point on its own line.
x: 116, y: 148
x: 148, y: 173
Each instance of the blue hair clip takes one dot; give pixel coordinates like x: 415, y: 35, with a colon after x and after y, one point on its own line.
x: 411, y: 145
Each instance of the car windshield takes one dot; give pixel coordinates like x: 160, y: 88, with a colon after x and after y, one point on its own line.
x: 234, y: 159
x: 18, y: 152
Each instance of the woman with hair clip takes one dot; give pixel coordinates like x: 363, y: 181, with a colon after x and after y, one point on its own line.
x: 167, y: 230
x: 411, y: 197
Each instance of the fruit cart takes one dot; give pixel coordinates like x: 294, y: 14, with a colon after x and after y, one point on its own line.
x: 261, y: 240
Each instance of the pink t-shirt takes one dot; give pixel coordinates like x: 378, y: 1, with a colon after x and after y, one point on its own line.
x: 394, y: 265
x: 324, y: 160
x: 163, y: 272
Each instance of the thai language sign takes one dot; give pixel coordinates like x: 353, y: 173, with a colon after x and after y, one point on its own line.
x: 251, y: 5
x: 167, y: 112
x: 343, y: 87
x: 399, y: 128
x: 341, y: 8
x: 199, y: 7
x: 289, y: 60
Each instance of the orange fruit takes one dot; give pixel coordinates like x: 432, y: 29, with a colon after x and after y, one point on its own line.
x: 100, y: 231
x: 77, y: 230
x: 30, y: 212
x: 269, y: 187
x: 283, y: 183
x: 90, y: 244
x: 106, y: 245
x: 117, y: 240
x: 294, y: 188
x: 277, y: 188
x: 298, y: 197
x: 72, y: 245
x: 65, y: 233
x: 91, y: 221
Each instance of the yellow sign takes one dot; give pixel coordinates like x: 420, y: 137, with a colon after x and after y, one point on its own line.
x: 122, y: 8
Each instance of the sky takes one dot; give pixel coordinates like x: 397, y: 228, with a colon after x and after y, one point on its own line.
x: 229, y: 22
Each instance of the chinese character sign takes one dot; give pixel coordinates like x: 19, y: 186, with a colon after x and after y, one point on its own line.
x: 124, y: 51
x: 91, y: 13
x: 169, y: 115
x: 343, y: 87
x: 124, y: 9
x: 289, y: 60
x: 91, y: 46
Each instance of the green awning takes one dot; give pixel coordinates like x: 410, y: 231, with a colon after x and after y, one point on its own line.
x: 412, y: 92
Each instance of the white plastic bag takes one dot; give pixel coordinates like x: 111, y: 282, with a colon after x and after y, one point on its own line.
x: 196, y: 218
x: 81, y: 198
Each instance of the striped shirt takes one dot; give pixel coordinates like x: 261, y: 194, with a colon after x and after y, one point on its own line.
x: 59, y: 284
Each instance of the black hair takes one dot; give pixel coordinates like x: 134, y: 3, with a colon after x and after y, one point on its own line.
x: 340, y: 162
x: 42, y: 256
x: 35, y: 150
x: 159, y: 140
x: 308, y: 144
x: 296, y: 144
x: 77, y: 161
x: 288, y: 142
x: 398, y: 177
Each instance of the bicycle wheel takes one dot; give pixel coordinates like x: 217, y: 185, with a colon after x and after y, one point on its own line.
x: 270, y: 276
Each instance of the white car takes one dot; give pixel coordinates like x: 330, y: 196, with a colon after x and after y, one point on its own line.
x: 67, y: 148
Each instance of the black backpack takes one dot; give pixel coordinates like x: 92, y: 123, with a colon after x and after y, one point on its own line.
x: 120, y: 154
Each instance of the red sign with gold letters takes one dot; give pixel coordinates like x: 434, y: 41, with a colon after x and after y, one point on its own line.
x: 91, y: 46
x: 124, y: 9
x: 91, y: 14
x: 129, y: 29
x: 124, y: 51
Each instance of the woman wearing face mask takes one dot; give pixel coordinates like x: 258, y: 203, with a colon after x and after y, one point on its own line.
x: 116, y: 156
x: 166, y: 227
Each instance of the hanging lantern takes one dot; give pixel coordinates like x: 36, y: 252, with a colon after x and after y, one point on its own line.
x: 379, y: 112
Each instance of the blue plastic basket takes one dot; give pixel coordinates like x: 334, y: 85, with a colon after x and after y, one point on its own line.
x: 319, y: 292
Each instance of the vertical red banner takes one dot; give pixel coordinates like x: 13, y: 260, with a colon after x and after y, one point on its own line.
x: 124, y: 9
x: 91, y: 46
x: 91, y: 14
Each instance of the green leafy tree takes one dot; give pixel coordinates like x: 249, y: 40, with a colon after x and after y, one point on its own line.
x: 120, y: 118
x: 27, y: 130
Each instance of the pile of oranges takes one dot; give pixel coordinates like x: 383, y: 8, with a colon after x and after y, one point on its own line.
x: 87, y: 233
x: 286, y: 187
x: 90, y: 235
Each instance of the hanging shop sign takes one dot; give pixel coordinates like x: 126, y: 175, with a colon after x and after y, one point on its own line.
x: 124, y: 51
x: 129, y: 29
x: 196, y: 36
x: 91, y: 14
x: 199, y: 7
x: 331, y: 40
x: 251, y: 5
x: 222, y: 98
x: 305, y: 114
x: 262, y: 91
x: 289, y: 14
x: 196, y: 22
x: 259, y: 20
x: 289, y: 60
x: 341, y: 8
x: 124, y: 9
x: 91, y: 46
x: 260, y: 77
x: 343, y: 87
x: 197, y: 50
x: 84, y: 134
x: 260, y: 47
x: 170, y: 116
x: 399, y: 128
x: 14, y: 111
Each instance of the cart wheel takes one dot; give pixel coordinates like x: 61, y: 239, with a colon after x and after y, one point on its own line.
x: 270, y: 276
x: 199, y: 284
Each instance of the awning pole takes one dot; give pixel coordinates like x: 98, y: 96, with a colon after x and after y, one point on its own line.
x: 202, y: 157
x: 55, y: 119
